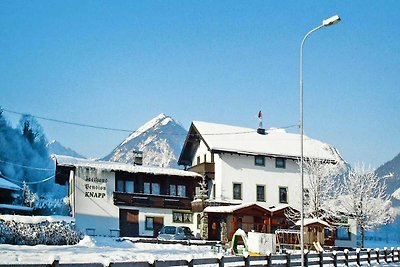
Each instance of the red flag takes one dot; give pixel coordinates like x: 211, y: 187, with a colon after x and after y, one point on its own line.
x: 259, y: 114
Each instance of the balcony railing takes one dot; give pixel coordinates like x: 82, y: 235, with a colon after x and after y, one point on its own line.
x: 204, y: 168
x: 154, y: 201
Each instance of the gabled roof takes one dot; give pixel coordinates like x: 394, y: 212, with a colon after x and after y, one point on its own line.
x: 4, y: 184
x: 118, y: 166
x: 310, y: 221
x: 233, y: 139
x: 244, y: 206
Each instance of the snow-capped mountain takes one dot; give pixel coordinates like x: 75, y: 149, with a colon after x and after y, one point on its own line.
x: 160, y: 140
x: 391, y: 171
x: 54, y: 147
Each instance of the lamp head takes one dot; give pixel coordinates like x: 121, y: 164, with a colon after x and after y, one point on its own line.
x: 331, y: 21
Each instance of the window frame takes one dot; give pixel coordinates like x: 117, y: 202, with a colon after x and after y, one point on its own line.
x: 176, y: 190
x: 241, y: 191
x: 183, y: 215
x: 279, y: 166
x: 146, y: 227
x: 264, y: 198
x: 287, y: 195
x: 151, y: 188
x: 123, y: 183
x: 259, y: 157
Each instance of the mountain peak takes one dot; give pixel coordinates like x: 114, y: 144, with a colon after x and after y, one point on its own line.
x: 55, y: 147
x: 160, y: 140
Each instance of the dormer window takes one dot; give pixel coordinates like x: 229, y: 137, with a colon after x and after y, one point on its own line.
x: 259, y: 160
x: 280, y: 163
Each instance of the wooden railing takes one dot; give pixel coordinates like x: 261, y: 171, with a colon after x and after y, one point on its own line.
x: 340, y: 258
x: 155, y: 201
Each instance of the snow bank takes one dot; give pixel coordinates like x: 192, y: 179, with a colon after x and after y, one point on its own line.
x: 101, y: 250
x: 29, y: 232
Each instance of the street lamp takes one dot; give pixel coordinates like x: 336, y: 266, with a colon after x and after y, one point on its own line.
x: 327, y: 22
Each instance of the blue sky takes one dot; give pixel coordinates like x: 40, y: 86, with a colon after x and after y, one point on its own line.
x: 121, y: 63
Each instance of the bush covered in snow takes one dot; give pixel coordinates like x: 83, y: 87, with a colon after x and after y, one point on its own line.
x: 43, y: 233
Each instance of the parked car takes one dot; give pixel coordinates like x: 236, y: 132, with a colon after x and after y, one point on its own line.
x: 175, y: 233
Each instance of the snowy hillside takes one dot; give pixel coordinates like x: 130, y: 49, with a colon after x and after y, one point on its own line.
x: 54, y: 147
x: 160, y: 140
x: 391, y: 170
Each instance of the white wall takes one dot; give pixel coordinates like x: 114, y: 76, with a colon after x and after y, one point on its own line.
x: 200, y: 152
x: 233, y: 168
x: 93, y: 201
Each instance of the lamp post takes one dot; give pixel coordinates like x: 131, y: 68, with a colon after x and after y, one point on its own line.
x: 327, y: 22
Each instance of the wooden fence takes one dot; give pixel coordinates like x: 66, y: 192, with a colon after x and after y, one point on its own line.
x: 339, y: 258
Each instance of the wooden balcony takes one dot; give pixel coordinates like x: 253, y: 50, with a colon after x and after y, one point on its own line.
x: 154, y: 201
x: 204, y: 168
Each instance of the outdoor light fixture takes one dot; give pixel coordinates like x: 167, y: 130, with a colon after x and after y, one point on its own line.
x: 327, y: 22
x: 331, y: 21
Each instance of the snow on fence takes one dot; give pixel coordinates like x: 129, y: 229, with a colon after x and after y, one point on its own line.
x: 339, y: 258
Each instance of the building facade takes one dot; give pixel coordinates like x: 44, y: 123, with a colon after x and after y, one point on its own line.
x: 117, y: 199
x: 247, y: 166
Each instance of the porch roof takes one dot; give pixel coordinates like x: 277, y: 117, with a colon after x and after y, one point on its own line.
x: 243, y: 207
x: 310, y: 221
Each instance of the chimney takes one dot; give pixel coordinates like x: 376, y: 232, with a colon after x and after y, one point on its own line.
x: 138, y: 157
x: 260, y: 129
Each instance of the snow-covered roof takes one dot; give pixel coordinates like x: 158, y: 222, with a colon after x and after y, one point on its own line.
x: 118, y: 166
x: 308, y: 221
x: 8, y: 185
x: 276, y: 142
x: 233, y: 208
x: 13, y: 207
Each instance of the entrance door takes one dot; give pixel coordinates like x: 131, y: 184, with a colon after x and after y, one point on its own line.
x: 129, y: 222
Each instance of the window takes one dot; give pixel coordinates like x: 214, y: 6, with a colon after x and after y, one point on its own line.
x: 151, y: 188
x: 214, y: 192
x: 280, y: 163
x: 149, y: 223
x: 259, y: 160
x: 237, y: 191
x: 198, y: 160
x: 283, y: 195
x: 177, y: 190
x: 182, y: 217
x: 198, y: 221
x: 343, y: 232
x: 127, y: 186
x: 181, y: 190
x: 120, y: 186
x: 260, y: 192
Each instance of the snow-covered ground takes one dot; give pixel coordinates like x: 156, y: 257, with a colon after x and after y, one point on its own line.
x: 102, y: 250
x: 105, y: 250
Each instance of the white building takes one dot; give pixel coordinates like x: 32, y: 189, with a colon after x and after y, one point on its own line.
x: 244, y: 165
x: 112, y: 199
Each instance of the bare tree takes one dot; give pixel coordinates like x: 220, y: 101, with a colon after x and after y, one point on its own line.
x: 320, y: 188
x: 364, y: 197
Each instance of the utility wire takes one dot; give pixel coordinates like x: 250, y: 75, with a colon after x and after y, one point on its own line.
x: 133, y: 131
x: 21, y: 182
x: 27, y: 167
